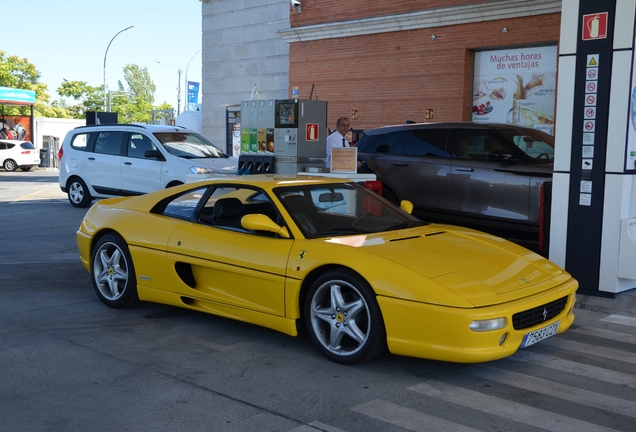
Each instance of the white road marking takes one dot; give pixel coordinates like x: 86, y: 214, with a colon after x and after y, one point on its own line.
x: 620, y: 319
x: 506, y: 409
x: 407, y: 418
x: 555, y: 389
x: 576, y: 368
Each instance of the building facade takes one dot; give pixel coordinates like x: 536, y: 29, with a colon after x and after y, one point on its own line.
x: 383, y: 63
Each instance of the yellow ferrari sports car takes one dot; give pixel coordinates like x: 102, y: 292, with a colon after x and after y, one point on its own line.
x: 362, y: 274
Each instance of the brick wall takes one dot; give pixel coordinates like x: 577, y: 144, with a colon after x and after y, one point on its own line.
x: 392, y: 77
x: 328, y: 11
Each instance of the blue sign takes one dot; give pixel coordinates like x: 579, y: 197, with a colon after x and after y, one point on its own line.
x: 11, y: 96
x: 193, y: 95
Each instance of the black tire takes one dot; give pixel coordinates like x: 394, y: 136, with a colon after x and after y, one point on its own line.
x: 26, y: 168
x: 78, y: 194
x: 10, y: 165
x: 113, y: 272
x: 351, y: 330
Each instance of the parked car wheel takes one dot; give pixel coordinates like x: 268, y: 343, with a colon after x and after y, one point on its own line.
x: 26, y: 168
x: 78, y: 193
x: 343, y: 318
x: 10, y: 165
x: 113, y: 273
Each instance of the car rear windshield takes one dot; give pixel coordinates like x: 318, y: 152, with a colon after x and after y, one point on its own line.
x: 27, y: 145
x: 189, y: 145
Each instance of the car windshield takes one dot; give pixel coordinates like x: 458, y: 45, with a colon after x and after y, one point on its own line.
x: 27, y: 145
x: 538, y: 145
x: 342, y: 209
x: 189, y: 145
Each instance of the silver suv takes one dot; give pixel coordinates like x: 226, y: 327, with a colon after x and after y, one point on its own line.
x: 487, y: 176
x: 112, y: 160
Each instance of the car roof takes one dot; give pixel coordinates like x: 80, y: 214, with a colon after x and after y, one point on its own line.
x: 149, y: 128
x: 438, y: 125
x: 272, y: 180
x: 8, y: 141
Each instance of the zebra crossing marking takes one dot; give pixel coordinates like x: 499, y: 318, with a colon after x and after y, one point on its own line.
x: 407, y: 418
x: 506, y: 409
x: 620, y: 319
x: 555, y: 389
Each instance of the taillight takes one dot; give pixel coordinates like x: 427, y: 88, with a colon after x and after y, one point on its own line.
x: 60, y: 152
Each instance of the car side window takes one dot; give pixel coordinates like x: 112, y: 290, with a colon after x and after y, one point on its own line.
x: 109, y: 142
x: 426, y: 142
x: 386, y: 143
x: 138, y: 145
x: 227, y: 205
x: 476, y: 145
x: 80, y: 141
x: 3, y: 146
x: 184, y: 205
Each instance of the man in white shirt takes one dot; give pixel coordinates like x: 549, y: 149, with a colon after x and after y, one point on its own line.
x: 337, y: 139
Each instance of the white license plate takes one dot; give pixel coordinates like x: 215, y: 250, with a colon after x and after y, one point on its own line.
x: 538, y: 335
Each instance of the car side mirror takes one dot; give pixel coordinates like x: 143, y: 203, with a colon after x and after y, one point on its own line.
x: 407, y: 206
x: 260, y: 222
x: 154, y: 154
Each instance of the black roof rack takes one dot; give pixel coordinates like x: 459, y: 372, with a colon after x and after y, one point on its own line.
x: 127, y: 125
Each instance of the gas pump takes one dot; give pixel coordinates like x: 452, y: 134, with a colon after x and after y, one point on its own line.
x: 286, y: 135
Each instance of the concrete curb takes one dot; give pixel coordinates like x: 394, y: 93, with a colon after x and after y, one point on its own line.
x: 624, y: 303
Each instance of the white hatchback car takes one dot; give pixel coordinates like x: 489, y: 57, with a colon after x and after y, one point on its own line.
x: 16, y: 154
x: 110, y: 160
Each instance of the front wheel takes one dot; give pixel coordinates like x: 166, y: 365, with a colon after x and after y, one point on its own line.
x: 113, y: 273
x: 10, y: 165
x: 343, y: 318
x: 78, y: 194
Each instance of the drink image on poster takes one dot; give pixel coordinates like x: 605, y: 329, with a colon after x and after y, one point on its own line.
x: 262, y: 141
x: 269, y: 136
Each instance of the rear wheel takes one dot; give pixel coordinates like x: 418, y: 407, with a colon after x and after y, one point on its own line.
x: 26, y: 168
x: 343, y: 318
x: 78, y: 193
x: 10, y: 165
x: 113, y: 273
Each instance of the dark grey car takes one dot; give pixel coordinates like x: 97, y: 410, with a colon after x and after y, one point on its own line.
x: 487, y: 176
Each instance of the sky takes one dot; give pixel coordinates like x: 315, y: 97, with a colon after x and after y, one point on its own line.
x: 67, y: 39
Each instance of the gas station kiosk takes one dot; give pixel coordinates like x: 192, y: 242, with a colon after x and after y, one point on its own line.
x: 283, y: 136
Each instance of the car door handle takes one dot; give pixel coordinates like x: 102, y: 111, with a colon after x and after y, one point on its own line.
x: 91, y: 158
x: 127, y: 163
x: 399, y: 163
x: 465, y: 169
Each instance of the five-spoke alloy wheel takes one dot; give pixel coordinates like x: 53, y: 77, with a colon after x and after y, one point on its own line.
x: 113, y: 273
x: 343, y: 318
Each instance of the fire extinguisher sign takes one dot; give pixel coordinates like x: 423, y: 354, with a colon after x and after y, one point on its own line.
x: 312, y: 132
x: 595, y: 26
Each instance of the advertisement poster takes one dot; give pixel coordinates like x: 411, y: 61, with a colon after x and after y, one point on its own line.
x: 516, y: 86
x: 630, y: 159
x: 15, y: 128
x: 193, y: 95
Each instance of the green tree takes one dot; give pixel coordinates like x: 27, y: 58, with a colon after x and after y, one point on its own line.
x: 87, y: 98
x: 19, y: 73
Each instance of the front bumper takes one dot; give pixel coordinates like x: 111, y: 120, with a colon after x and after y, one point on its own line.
x: 442, y: 333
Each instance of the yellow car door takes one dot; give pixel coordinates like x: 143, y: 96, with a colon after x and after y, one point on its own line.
x: 232, y: 268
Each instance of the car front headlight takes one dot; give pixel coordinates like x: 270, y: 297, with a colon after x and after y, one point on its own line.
x: 488, y: 325
x: 201, y: 170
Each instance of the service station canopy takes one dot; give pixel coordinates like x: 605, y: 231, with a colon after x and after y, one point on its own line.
x: 11, y: 96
